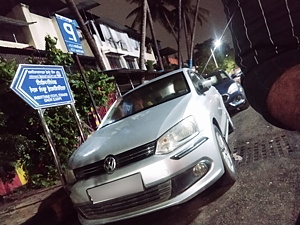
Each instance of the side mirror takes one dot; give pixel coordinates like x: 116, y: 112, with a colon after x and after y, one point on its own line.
x: 205, y: 85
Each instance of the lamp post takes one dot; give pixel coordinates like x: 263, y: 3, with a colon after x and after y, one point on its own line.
x: 213, y: 55
x: 217, y: 43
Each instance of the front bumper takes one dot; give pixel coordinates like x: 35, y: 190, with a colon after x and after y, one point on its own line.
x: 234, y: 101
x: 169, y: 181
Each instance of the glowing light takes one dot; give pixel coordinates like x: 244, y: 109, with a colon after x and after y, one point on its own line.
x: 217, y: 43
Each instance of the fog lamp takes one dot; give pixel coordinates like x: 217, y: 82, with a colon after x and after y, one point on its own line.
x: 200, y: 169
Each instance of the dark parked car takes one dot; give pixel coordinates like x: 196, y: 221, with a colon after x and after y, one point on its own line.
x: 237, y: 76
x: 232, y: 92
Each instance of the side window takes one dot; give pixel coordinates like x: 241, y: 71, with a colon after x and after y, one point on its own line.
x: 224, y: 76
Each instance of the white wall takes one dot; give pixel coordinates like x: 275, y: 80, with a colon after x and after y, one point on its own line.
x: 8, y: 44
x: 40, y: 29
x: 35, y: 35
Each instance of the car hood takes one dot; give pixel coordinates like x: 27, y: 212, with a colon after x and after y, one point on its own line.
x: 130, y: 132
x: 223, y: 87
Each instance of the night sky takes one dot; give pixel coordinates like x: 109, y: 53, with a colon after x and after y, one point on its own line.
x: 119, y: 9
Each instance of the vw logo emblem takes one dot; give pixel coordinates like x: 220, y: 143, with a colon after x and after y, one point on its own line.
x: 110, y: 164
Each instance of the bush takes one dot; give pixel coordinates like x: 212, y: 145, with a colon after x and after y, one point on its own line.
x: 21, y: 133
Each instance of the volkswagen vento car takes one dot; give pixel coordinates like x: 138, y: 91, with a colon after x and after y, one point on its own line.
x: 232, y: 91
x: 159, y: 145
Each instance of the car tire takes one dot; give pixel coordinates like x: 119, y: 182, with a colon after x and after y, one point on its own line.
x: 230, y: 174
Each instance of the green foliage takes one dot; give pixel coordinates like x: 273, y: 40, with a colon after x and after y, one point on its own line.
x: 13, y: 125
x: 21, y: 133
x: 56, y: 56
x: 100, y: 85
x: 224, y: 56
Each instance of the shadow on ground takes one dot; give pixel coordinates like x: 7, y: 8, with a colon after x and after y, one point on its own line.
x: 56, y: 209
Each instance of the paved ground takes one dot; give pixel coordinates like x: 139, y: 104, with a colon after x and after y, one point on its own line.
x: 268, y: 187
x: 267, y: 191
x: 17, y: 208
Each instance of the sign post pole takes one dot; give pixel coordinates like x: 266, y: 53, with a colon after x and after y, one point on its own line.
x: 83, y: 138
x: 87, y: 87
x: 52, y: 146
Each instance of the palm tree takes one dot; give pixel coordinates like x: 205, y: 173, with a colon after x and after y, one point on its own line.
x: 160, y: 63
x: 166, y: 13
x: 179, y: 33
x: 143, y: 34
x: 139, y: 13
x: 193, y: 35
x: 190, y: 16
x: 159, y: 12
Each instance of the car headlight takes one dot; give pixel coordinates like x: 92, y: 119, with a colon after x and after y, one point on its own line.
x: 233, y: 88
x: 177, y: 136
x: 70, y: 176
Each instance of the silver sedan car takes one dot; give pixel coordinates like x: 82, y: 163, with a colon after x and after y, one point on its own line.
x: 159, y: 145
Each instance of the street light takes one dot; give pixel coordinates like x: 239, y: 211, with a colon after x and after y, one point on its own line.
x: 217, y: 43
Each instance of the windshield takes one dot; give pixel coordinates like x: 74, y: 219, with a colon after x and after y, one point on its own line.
x: 217, y: 78
x: 147, y: 96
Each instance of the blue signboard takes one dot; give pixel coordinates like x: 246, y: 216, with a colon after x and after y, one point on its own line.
x: 42, y: 86
x: 68, y: 30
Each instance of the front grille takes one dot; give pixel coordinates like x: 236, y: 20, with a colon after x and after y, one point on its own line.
x: 122, y: 159
x: 153, y: 195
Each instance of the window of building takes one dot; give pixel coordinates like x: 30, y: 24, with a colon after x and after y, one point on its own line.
x: 130, y: 63
x: 123, y: 45
x: 114, y: 61
x: 135, y: 44
x: 122, y: 40
x: 98, y: 27
x: 107, y: 35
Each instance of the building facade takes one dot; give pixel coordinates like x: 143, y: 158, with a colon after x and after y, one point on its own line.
x: 118, y: 45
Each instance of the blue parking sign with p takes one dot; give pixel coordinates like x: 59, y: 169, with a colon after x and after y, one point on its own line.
x: 69, y: 33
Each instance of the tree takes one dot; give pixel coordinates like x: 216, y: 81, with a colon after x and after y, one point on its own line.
x: 86, y: 34
x: 13, y: 126
x: 191, y: 49
x: 160, y: 63
x: 189, y: 19
x: 143, y: 36
x: 166, y: 12
x: 140, y: 15
x: 158, y: 10
x: 179, y: 33
x: 224, y: 55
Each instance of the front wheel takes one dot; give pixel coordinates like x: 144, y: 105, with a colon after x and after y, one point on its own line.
x: 230, y: 174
